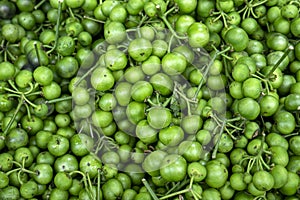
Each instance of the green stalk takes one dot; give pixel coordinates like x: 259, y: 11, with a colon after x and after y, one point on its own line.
x: 71, y: 12
x: 214, y: 154
x: 98, y: 184
x: 90, y: 189
x: 37, y: 53
x: 29, y: 102
x: 57, y: 27
x: 178, y: 185
x: 59, y: 100
x: 165, y: 20
x: 250, y: 164
x: 85, y: 75
x: 286, y: 52
x: 185, y: 99
x: 181, y: 191
x: 153, y: 195
x: 175, y: 194
x: 207, y: 69
x: 19, y: 177
x: 12, y: 57
x: 93, y: 19
x: 13, y: 118
x: 39, y: 4
x: 12, y: 171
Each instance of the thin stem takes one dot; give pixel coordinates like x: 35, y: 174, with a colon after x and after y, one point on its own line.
x: 28, y: 111
x: 170, y: 43
x: 71, y: 12
x: 39, y: 4
x: 57, y: 27
x: 262, y: 197
x: 83, y: 177
x: 23, y: 162
x: 5, y: 56
x: 287, y: 51
x: 90, y: 193
x: 264, y: 163
x: 12, y: 171
x: 78, y: 16
x: 169, y: 11
x: 89, y: 181
x: 37, y: 52
x: 226, y: 69
x: 11, y: 83
x: 258, y: 77
x: 168, y: 100
x: 29, y: 102
x: 13, y: 117
x: 196, y: 195
x: 175, y: 194
x: 242, y: 10
x: 85, y: 75
x: 262, y: 144
x: 230, y: 133
x: 77, y: 172
x: 233, y: 126
x: 208, y: 67
x: 224, y: 18
x: 165, y: 20
x: 99, y: 184
x: 244, y: 159
x: 12, y: 57
x: 250, y: 164
x: 90, y: 187
x: 253, y: 13
x: 234, y: 119
x: 28, y: 171
x: 16, y: 163
x: 217, y: 120
x: 214, y: 154
x: 2, y: 44
x: 91, y: 130
x: 260, y: 3
x: 93, y: 19
x: 191, y: 182
x: 297, y: 2
x: 177, y: 186
x: 245, y: 12
x: 59, y: 100
x: 149, y: 189
x: 202, y: 80
x: 157, y: 99
x: 39, y: 28
x: 144, y: 18
x: 12, y: 91
x: 31, y: 88
x: 33, y: 94
x: 218, y: 17
x: 19, y: 177
x: 187, y: 100
x: 223, y: 51
x: 151, y: 102
x: 258, y: 164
